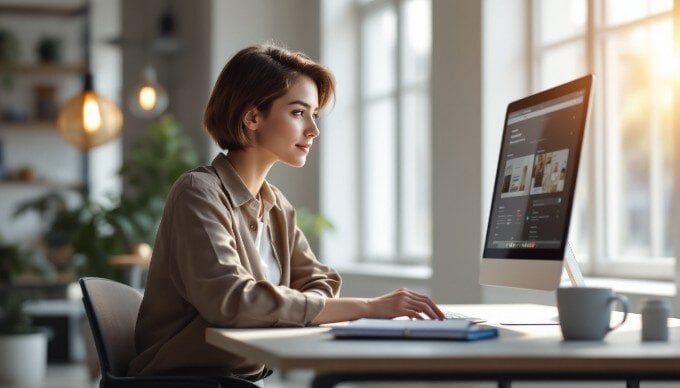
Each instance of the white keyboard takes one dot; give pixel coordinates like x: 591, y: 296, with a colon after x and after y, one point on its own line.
x: 455, y: 315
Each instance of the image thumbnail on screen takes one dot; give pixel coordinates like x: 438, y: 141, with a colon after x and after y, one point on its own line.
x: 518, y: 177
x: 549, y: 172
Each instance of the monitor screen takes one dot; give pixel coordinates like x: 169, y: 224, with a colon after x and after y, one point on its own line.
x: 536, y: 175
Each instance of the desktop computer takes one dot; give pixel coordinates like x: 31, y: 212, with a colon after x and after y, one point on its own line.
x: 527, y: 232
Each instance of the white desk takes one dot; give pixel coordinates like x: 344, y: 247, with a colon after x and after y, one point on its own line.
x: 520, y: 352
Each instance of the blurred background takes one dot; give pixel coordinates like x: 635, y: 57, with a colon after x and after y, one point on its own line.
x: 396, y: 194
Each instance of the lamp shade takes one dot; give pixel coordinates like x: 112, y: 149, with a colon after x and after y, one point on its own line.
x: 149, y: 99
x: 89, y: 120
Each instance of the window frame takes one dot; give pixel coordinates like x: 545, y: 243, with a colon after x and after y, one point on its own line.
x: 595, y: 37
x: 363, y: 10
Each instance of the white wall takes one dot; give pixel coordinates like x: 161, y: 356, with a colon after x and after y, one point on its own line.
x: 456, y: 150
x: 189, y: 73
x: 339, y: 131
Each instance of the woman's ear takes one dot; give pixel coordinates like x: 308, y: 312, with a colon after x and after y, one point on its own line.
x: 251, y: 118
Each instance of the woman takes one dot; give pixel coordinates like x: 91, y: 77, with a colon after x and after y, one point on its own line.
x: 227, y: 252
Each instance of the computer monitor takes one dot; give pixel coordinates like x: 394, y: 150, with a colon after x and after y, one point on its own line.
x: 533, y: 193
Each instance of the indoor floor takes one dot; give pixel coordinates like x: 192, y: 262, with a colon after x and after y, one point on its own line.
x: 75, y: 376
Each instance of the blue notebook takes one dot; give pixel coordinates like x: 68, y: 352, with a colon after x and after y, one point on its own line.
x: 450, y: 329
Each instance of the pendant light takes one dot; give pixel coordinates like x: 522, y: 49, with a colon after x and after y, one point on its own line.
x: 88, y: 119
x: 149, y: 99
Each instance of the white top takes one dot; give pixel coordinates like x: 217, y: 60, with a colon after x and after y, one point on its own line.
x: 270, y: 267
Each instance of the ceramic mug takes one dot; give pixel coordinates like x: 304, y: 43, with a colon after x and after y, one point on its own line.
x: 585, y: 312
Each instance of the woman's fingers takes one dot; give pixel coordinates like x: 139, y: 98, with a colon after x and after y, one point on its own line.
x: 408, y: 305
x: 429, y: 311
x: 434, y: 311
x: 426, y: 309
x: 425, y: 305
x: 404, y: 302
x: 414, y: 314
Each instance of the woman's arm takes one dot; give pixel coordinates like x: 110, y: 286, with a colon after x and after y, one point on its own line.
x: 207, y: 269
x: 402, y: 302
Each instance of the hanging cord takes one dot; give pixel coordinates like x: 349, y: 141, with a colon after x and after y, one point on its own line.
x: 88, y: 84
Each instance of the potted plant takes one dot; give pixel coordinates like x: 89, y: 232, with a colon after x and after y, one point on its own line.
x: 77, y: 238
x: 151, y: 167
x: 93, y: 232
x: 49, y: 49
x: 23, y: 348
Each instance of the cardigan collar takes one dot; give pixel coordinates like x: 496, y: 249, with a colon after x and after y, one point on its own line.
x: 237, y: 190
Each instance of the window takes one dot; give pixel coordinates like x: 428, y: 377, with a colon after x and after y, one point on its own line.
x: 390, y: 221
x: 622, y: 223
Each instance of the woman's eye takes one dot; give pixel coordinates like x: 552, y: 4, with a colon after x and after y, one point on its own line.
x: 298, y: 113
x: 316, y: 116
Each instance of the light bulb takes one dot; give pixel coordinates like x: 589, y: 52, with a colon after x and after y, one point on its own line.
x: 148, y: 99
x: 92, y: 119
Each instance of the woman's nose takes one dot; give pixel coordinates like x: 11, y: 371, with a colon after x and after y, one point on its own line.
x: 312, y: 130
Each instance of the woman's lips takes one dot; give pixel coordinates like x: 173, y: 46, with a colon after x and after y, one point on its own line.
x: 304, y: 147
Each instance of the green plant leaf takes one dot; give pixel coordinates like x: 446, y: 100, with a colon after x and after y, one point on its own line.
x: 152, y: 165
x: 311, y: 224
x: 13, y: 319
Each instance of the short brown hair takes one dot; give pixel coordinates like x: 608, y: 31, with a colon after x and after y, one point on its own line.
x: 255, y: 77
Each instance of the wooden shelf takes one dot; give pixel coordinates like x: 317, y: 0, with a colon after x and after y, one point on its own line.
x: 64, y: 10
x: 41, y: 184
x: 44, y: 68
x: 29, y: 125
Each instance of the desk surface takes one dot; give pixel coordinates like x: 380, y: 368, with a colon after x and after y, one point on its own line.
x: 518, y: 349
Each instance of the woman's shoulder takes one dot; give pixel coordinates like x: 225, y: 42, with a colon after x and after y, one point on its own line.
x: 200, y: 179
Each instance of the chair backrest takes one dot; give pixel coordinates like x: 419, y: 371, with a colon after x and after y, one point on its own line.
x: 112, y: 310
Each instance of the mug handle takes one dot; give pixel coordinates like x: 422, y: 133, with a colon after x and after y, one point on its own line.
x: 624, y: 303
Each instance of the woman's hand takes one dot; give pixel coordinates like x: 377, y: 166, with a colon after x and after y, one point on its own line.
x: 399, y: 303
x: 403, y: 302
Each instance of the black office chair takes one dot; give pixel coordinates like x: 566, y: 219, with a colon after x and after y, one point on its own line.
x: 112, y: 310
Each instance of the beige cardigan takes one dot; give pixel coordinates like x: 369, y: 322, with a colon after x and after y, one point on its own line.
x: 205, y: 272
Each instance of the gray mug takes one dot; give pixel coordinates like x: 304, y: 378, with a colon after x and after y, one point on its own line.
x: 585, y: 312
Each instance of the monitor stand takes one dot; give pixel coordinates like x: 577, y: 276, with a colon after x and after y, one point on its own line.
x: 576, y: 278
x: 572, y: 268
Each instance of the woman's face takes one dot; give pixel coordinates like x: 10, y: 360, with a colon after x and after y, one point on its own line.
x: 287, y: 131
